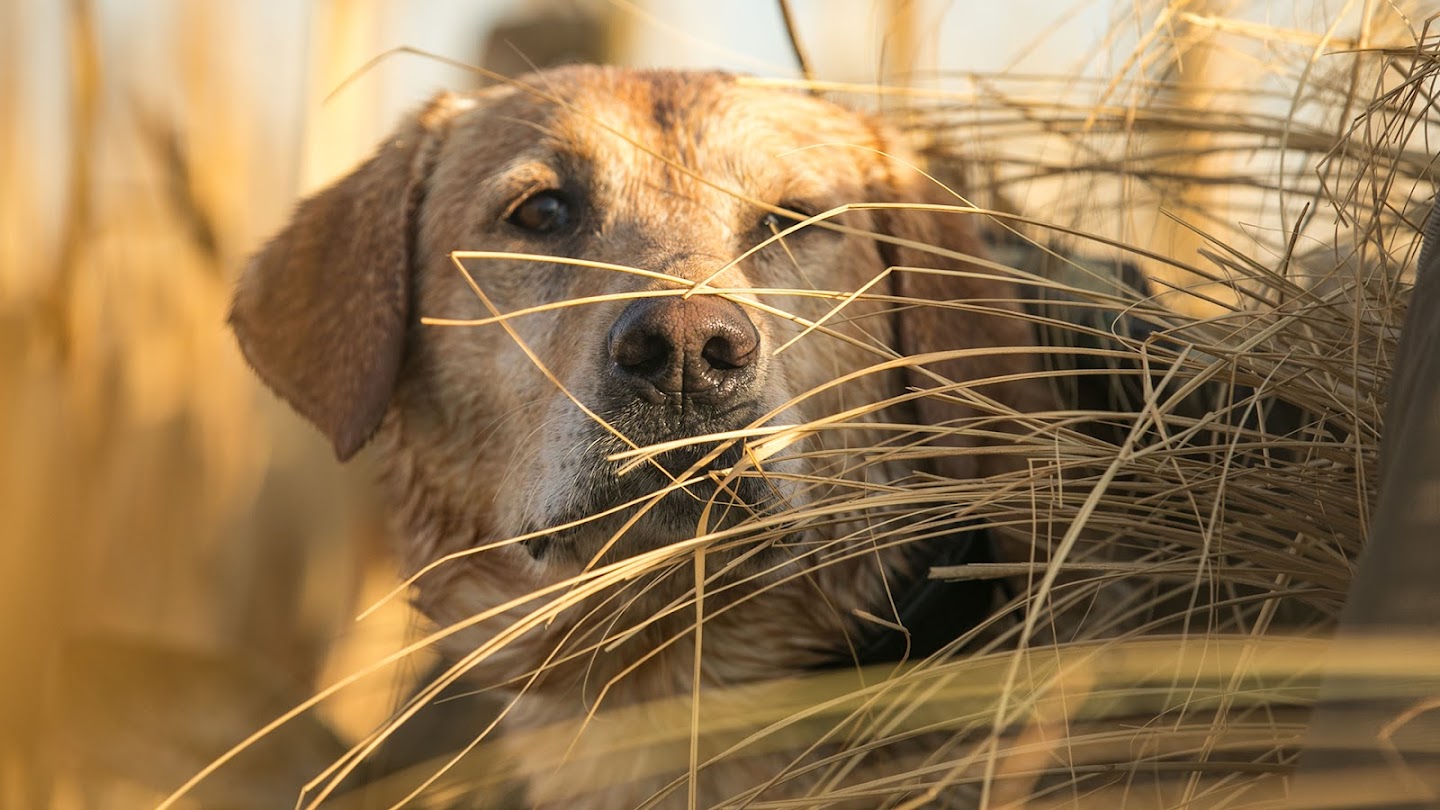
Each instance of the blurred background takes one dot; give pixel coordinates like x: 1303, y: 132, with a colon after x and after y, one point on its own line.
x: 181, y: 559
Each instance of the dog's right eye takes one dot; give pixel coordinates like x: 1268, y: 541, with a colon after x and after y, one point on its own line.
x: 544, y: 212
x: 771, y: 222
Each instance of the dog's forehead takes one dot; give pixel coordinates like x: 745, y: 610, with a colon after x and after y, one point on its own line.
x: 712, y: 124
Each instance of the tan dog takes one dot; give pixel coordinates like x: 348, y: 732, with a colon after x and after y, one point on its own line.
x: 501, y: 439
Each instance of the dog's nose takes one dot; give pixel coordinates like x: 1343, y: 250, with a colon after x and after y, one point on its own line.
x: 703, y: 346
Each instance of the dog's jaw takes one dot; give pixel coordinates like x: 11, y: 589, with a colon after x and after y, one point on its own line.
x: 598, y: 490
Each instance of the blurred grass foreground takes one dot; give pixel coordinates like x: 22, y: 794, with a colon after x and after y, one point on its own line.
x: 181, y: 560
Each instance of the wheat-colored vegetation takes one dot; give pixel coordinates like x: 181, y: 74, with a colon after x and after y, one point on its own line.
x: 177, y: 574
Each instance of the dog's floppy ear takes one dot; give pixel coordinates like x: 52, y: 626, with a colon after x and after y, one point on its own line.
x: 321, y: 312
x: 923, y: 329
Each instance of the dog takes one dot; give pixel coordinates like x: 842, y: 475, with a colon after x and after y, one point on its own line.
x: 640, y: 355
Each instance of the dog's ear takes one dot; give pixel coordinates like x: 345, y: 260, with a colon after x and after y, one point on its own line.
x: 940, y: 241
x: 322, y: 310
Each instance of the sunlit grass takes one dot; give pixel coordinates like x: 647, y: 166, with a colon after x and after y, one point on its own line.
x: 1229, y: 496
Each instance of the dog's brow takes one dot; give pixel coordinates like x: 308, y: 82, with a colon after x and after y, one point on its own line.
x: 664, y: 110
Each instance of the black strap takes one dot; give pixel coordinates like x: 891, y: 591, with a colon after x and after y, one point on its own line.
x: 934, y: 612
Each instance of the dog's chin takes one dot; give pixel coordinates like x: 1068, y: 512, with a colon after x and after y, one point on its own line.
x: 651, y: 506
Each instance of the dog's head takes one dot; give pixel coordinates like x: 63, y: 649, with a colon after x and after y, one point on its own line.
x: 521, y: 424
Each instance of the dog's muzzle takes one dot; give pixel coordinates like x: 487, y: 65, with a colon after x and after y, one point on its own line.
x: 676, y: 369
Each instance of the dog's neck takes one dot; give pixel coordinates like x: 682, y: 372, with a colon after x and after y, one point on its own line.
x: 819, y: 603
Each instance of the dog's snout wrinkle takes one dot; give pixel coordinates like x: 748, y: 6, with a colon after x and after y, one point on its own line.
x: 704, y: 347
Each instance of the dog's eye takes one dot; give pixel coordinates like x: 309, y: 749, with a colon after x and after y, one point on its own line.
x: 772, y: 222
x: 544, y: 212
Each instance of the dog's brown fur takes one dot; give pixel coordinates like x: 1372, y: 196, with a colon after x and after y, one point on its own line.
x: 668, y: 173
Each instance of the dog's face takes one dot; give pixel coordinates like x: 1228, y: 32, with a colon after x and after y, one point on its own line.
x: 677, y: 176
x: 753, y: 359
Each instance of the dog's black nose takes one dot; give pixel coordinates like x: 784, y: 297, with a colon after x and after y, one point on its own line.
x: 702, y: 347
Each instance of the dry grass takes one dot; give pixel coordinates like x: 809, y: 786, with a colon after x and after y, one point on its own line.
x: 1220, y: 472
x: 1232, y: 470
